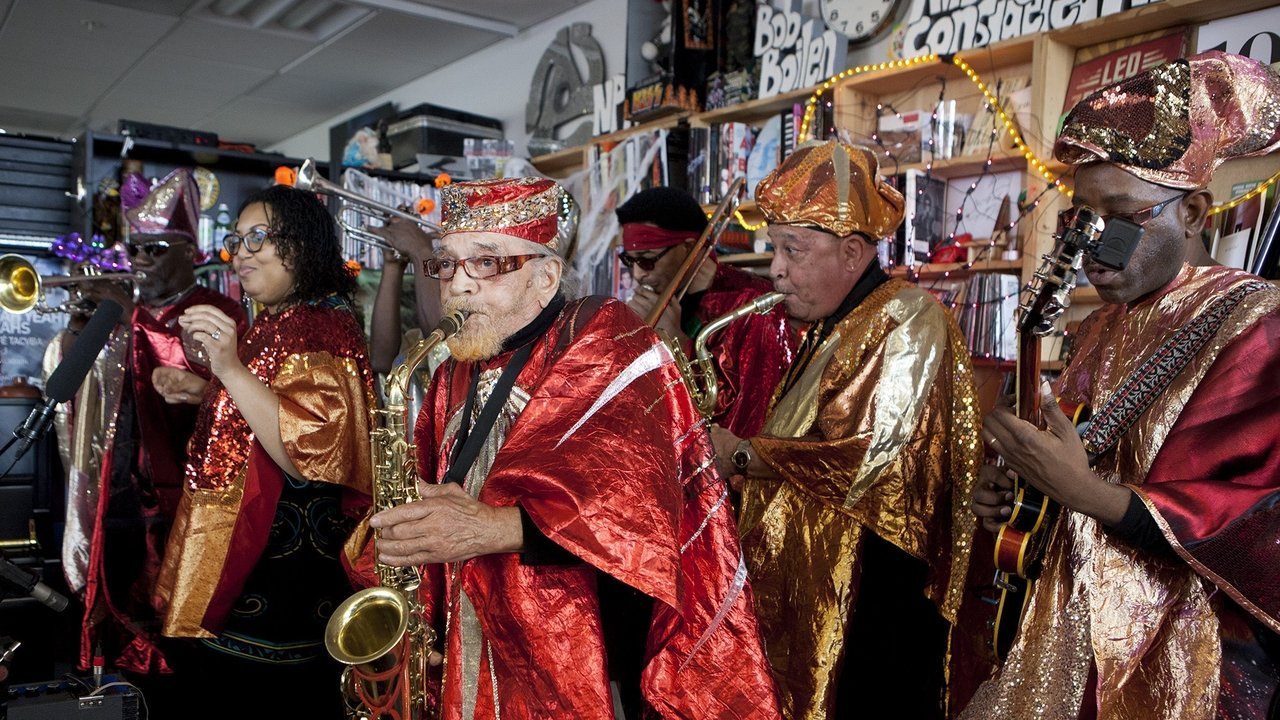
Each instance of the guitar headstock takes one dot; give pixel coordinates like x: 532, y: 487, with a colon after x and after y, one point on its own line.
x: 1048, y: 293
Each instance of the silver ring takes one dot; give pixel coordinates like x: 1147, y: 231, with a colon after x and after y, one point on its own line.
x: 216, y: 334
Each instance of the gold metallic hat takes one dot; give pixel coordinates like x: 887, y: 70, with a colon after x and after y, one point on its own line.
x: 1174, y: 124
x: 831, y: 186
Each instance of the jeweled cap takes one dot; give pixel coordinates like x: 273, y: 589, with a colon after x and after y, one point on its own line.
x: 1174, y: 124
x: 831, y: 186
x: 523, y: 207
x: 172, y: 206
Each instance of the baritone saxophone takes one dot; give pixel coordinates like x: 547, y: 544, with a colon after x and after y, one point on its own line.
x: 380, y: 633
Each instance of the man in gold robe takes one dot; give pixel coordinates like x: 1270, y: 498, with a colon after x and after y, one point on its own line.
x: 1158, y: 595
x: 854, y: 520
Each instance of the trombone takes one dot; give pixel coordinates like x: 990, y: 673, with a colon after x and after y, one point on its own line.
x: 309, y: 179
x: 22, y: 288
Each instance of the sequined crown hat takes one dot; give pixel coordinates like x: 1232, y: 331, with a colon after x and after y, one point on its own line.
x: 1174, y: 124
x: 523, y: 207
x: 831, y: 186
x: 173, y: 206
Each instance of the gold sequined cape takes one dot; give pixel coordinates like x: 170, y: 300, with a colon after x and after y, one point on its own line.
x: 315, y: 360
x: 1172, y: 635
x: 878, y: 435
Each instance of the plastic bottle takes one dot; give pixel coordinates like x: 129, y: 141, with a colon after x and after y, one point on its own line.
x: 221, y: 225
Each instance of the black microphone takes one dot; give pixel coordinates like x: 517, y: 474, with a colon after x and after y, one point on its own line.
x: 70, y: 373
x: 12, y: 576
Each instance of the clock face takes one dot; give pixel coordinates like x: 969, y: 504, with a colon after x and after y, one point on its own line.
x: 859, y: 20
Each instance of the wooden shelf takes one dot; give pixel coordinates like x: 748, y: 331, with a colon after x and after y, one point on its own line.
x: 934, y: 270
x: 751, y: 110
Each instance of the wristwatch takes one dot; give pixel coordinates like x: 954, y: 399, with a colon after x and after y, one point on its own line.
x: 741, y: 456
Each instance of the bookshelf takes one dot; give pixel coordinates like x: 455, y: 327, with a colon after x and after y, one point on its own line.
x: 1042, y: 61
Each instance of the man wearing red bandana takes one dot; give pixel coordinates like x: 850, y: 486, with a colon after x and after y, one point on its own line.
x: 1158, y: 595
x: 659, y: 228
x: 127, y: 447
x: 569, y: 491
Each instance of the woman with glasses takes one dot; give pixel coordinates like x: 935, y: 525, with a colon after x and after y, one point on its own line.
x: 279, y: 471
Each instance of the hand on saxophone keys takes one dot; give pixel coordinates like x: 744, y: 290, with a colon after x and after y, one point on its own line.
x: 445, y: 525
x: 644, y: 300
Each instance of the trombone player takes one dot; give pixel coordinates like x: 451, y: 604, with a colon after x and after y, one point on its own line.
x: 127, y: 444
x: 660, y: 228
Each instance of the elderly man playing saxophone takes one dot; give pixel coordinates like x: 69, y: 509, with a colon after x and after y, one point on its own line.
x: 564, y: 465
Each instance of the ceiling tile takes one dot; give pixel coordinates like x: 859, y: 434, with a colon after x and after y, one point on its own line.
x: 217, y: 41
x: 322, y: 95
x: 263, y: 121
x: 75, y: 33
x: 412, y: 39
x: 36, y: 85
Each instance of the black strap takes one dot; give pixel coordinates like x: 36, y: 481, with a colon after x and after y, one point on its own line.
x: 470, y: 440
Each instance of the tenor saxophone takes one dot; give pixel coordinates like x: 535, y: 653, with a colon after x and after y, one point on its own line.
x: 379, y: 632
x: 700, y: 374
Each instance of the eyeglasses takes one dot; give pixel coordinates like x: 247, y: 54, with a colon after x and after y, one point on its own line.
x: 479, y: 267
x: 154, y: 248
x: 1137, y: 217
x: 252, y: 241
x: 645, y: 262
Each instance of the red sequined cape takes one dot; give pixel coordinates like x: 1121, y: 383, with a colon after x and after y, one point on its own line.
x: 611, y: 461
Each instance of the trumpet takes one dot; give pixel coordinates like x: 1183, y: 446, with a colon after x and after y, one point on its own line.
x: 309, y: 179
x: 22, y: 288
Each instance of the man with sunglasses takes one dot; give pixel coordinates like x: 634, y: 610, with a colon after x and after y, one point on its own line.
x: 1157, y: 597
x: 128, y: 455
x: 564, y: 470
x: 659, y: 229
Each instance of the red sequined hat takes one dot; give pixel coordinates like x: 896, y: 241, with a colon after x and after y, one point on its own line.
x: 523, y: 207
x: 1174, y: 124
x: 173, y: 206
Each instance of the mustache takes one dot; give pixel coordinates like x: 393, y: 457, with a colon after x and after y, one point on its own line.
x: 456, y: 304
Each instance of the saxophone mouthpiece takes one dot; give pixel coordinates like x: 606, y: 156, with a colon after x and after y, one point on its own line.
x: 450, y: 324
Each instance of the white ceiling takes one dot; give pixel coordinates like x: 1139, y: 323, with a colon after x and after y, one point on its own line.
x: 251, y: 71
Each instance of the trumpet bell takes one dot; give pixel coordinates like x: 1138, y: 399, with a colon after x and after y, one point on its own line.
x: 19, y: 284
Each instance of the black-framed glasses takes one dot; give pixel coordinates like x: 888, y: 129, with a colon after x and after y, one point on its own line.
x: 479, y: 267
x: 1137, y: 217
x: 252, y: 241
x: 645, y: 262
x: 154, y: 248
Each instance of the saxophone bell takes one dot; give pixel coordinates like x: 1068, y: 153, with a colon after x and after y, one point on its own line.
x: 379, y: 633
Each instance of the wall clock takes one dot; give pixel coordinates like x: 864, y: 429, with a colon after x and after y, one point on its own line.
x: 862, y: 21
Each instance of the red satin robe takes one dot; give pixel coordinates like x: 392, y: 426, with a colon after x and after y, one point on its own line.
x: 162, y: 432
x: 600, y: 444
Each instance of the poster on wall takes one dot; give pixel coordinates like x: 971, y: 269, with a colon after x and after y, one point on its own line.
x: 1255, y: 34
x: 1121, y: 64
x: 958, y: 25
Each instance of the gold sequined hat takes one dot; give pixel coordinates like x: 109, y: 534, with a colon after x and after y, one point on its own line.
x: 524, y: 207
x: 831, y: 186
x: 1174, y: 124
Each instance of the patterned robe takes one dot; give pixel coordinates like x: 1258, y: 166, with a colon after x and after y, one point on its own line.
x: 1114, y: 631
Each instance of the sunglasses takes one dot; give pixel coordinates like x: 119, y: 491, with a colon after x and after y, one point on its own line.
x: 154, y: 248
x: 1138, y: 217
x: 644, y: 262
x: 252, y: 241
x: 479, y: 267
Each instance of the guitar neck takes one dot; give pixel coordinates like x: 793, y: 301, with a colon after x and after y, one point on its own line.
x: 1026, y: 389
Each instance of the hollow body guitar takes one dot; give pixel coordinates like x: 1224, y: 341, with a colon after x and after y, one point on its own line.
x: 1019, y: 542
